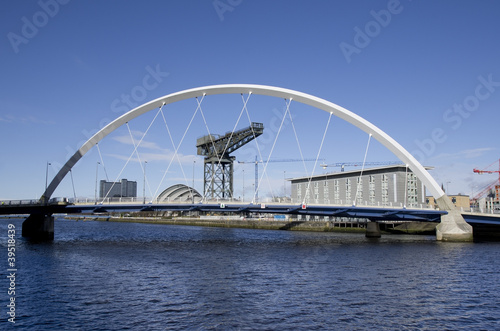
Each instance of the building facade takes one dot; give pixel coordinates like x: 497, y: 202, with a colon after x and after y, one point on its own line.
x: 462, y: 202
x: 392, y: 186
x: 121, y: 189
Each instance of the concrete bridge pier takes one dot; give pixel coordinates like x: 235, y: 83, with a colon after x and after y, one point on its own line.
x: 39, y: 227
x: 373, y: 230
x: 453, y: 226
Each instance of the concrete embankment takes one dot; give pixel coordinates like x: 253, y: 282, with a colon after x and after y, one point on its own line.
x: 266, y: 224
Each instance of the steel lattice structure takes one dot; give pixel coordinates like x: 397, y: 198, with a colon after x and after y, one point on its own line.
x: 218, y: 163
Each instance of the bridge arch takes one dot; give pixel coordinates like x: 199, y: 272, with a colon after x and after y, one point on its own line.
x: 272, y: 91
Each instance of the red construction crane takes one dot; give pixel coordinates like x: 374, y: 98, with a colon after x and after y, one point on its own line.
x: 495, y: 184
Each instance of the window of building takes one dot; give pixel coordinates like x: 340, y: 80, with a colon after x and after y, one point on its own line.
x: 385, y: 190
x: 359, y: 191
x: 412, y: 191
x: 348, y: 190
x: 326, y: 193
x: 372, y: 190
x: 336, y: 192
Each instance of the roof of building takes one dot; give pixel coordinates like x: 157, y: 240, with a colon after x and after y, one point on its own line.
x: 354, y: 173
x: 178, y: 192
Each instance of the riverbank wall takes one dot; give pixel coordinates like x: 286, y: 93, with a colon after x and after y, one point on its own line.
x: 250, y: 223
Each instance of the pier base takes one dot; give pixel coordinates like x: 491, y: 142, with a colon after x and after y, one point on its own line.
x: 373, y: 230
x: 39, y: 227
x: 453, y: 226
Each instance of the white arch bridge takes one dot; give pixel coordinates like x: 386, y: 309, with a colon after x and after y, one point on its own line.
x: 452, y: 225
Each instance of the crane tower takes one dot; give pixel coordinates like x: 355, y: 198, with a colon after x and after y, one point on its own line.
x: 218, y: 163
x: 495, y: 185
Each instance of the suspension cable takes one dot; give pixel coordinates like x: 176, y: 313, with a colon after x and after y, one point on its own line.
x: 211, y: 140
x: 102, y: 161
x: 271, y: 152
x: 235, y: 125
x: 73, y: 183
x: 317, y: 157
x: 219, y: 159
x: 296, y: 138
x: 131, y: 155
x: 361, y: 172
x: 176, y: 148
x: 259, y: 152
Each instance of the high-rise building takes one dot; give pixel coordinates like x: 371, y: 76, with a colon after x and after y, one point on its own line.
x: 121, y: 189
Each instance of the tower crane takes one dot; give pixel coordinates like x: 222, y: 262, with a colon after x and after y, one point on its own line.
x: 257, y: 161
x: 358, y: 164
x: 218, y: 163
x: 495, y: 184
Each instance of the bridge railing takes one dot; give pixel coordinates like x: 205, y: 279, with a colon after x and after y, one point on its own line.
x: 270, y: 201
x: 141, y: 200
x: 19, y: 202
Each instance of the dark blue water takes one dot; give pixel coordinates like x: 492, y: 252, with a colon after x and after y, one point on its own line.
x: 114, y: 276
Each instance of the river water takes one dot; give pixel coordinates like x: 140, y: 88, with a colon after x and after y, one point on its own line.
x: 114, y: 276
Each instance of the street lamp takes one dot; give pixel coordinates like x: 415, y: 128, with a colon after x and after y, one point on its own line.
x: 46, y: 174
x: 46, y: 178
x: 284, y: 184
x: 144, y: 185
x: 96, y: 173
x: 192, y: 187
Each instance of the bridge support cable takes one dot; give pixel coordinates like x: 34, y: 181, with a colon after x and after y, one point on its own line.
x: 102, y: 161
x: 72, y: 184
x: 143, y: 168
x: 271, y: 152
x: 223, y: 154
x: 255, y: 198
x: 218, y: 163
x: 132, y: 154
x: 223, y: 170
x: 317, y: 158
x: 176, y: 148
x: 176, y: 154
x: 209, y: 176
x: 359, y: 185
x: 296, y: 136
x: 206, y: 180
x: 236, y: 124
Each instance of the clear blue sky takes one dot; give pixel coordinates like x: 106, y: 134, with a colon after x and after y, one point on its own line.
x: 425, y: 72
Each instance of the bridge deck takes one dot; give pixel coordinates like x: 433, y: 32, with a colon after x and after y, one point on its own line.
x: 372, y: 213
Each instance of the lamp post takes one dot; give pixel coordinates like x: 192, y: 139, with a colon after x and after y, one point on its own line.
x: 96, y: 173
x: 46, y: 179
x: 284, y: 184
x: 192, y: 187
x: 144, y: 185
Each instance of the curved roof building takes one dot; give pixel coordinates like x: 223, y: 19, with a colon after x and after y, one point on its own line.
x: 179, y: 193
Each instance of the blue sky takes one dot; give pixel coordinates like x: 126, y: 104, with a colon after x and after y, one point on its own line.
x: 425, y: 72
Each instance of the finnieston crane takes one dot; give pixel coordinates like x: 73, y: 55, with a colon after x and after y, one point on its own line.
x: 358, y: 164
x: 218, y: 163
x: 256, y: 162
x: 495, y: 184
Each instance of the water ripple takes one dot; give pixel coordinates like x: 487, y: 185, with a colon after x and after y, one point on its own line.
x: 114, y: 276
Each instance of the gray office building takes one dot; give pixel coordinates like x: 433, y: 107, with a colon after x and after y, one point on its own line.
x: 391, y: 186
x: 121, y: 189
